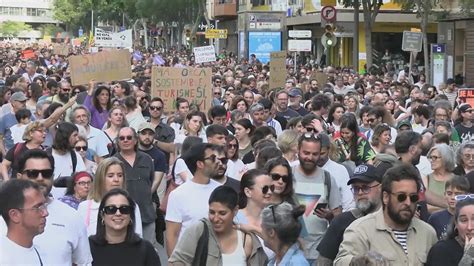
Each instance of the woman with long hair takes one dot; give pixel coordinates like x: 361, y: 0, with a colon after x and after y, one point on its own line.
x: 232, y: 246
x: 98, y: 102
x: 353, y: 104
x: 351, y: 145
x: 35, y: 91
x: 334, y: 116
x: 288, y: 144
x: 235, y: 166
x: 81, y: 147
x: 239, y: 103
x: 77, y: 189
x: 381, y: 137
x: 282, y: 179
x: 115, y: 122
x: 192, y: 126
x: 116, y: 241
x: 243, y: 131
x: 458, y: 247
x: 110, y: 174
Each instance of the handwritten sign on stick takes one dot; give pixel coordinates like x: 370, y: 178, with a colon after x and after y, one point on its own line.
x: 277, y: 69
x: 102, y: 67
x: 193, y: 84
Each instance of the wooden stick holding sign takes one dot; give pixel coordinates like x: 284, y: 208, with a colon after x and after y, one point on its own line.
x: 101, y: 67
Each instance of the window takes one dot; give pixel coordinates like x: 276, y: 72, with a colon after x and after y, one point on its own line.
x: 36, y: 12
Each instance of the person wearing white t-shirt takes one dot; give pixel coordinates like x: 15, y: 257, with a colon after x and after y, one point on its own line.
x: 64, y: 240
x: 23, y: 208
x: 188, y: 203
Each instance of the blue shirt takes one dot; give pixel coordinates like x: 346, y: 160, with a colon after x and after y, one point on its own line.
x: 440, y: 221
x: 294, y: 256
x: 6, y: 122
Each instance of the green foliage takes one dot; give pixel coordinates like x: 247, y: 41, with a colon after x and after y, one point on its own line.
x: 466, y: 6
x: 50, y: 29
x: 13, y: 28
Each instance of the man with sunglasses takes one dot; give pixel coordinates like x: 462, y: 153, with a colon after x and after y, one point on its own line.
x: 365, y: 186
x: 220, y: 175
x: 64, y: 240
x: 189, y: 202
x: 23, y: 207
x: 392, y: 231
x: 63, y: 94
x: 164, y: 134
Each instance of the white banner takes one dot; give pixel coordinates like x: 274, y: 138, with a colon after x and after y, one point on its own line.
x: 121, y: 39
x: 204, y: 54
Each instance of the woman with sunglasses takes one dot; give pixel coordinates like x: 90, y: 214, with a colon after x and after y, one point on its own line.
x: 78, y: 189
x: 352, y: 147
x: 110, y: 174
x: 235, y: 166
x: 81, y: 148
x: 226, y: 245
x: 381, y: 137
x: 116, y: 242
x: 282, y: 180
x: 458, y: 247
x: 464, y: 159
x: 280, y: 229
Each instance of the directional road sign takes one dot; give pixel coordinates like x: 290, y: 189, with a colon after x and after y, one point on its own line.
x: 299, y: 33
x: 216, y: 34
x: 412, y: 41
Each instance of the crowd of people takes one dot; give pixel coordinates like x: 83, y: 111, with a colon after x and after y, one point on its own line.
x: 356, y: 169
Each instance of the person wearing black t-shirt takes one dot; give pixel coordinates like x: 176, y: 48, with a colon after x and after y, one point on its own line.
x: 367, y: 191
x: 464, y: 125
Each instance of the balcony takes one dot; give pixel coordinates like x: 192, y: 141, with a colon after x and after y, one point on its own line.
x: 225, y: 9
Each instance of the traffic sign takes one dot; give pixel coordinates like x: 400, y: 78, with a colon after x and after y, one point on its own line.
x: 328, y: 13
x: 299, y: 33
x: 328, y: 2
x: 216, y: 34
x: 299, y: 45
x: 412, y: 41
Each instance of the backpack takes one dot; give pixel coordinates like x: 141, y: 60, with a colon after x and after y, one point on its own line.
x: 327, y: 184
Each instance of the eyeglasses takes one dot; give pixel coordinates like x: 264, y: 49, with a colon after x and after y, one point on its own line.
x: 213, y: 158
x: 401, y: 197
x: 233, y: 146
x: 276, y: 177
x: 223, y: 160
x: 33, y: 173
x: 111, y: 210
x: 41, y: 208
x: 217, y: 93
x: 80, y: 148
x: 65, y: 90
x: 122, y: 138
x: 155, y: 108
x: 272, y: 207
x: 364, y: 189
x: 468, y: 156
x: 266, y: 189
x: 434, y: 157
x: 464, y: 197
x: 84, y: 183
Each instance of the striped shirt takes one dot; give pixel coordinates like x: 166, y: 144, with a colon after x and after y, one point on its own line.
x: 401, y: 236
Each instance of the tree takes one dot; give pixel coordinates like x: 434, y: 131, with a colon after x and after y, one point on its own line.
x: 13, y: 28
x: 371, y: 10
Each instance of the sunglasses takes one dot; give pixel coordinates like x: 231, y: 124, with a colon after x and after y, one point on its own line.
x: 276, y: 177
x: 223, y: 160
x: 235, y: 146
x: 33, y: 174
x: 122, y: 138
x: 111, y: 210
x: 371, y: 120
x: 217, y: 93
x: 401, y: 197
x: 310, y: 129
x: 79, y: 148
x: 266, y: 189
x: 156, y: 108
x: 464, y: 197
x: 310, y: 135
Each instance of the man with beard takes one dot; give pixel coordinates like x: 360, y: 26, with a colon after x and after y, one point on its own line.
x: 63, y: 93
x: 317, y: 190
x: 188, y: 202
x: 365, y: 184
x: 221, y: 176
x: 393, y: 231
x: 256, y: 113
x: 23, y: 207
x: 409, y: 147
x: 64, y: 240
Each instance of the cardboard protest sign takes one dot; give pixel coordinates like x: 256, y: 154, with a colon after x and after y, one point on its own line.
x: 61, y: 49
x: 466, y: 95
x: 321, y: 77
x: 193, y: 84
x: 102, y: 67
x: 277, y: 69
x: 204, y: 54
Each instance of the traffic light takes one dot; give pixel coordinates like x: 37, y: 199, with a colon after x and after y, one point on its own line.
x: 329, y: 38
x: 188, y: 34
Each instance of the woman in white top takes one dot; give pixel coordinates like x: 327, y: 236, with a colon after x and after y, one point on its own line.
x: 110, y: 174
x: 81, y: 147
x: 193, y: 125
x: 235, y: 166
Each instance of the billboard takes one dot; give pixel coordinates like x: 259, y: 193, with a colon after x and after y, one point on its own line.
x: 263, y: 43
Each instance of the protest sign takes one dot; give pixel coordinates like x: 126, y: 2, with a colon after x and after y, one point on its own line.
x: 321, y: 77
x: 101, y: 67
x: 113, y: 39
x: 193, y: 84
x: 277, y: 69
x: 61, y: 49
x: 466, y: 96
x: 204, y: 54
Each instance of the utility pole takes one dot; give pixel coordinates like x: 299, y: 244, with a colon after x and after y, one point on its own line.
x: 355, y: 39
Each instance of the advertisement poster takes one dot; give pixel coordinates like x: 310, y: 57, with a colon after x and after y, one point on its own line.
x: 263, y: 43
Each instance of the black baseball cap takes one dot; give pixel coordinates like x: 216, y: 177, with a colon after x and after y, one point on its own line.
x: 365, y: 173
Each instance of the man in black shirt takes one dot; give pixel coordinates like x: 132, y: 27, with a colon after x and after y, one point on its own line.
x: 220, y: 175
x: 367, y: 191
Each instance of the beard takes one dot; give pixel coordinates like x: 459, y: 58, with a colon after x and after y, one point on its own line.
x: 308, y: 166
x: 416, y: 160
x: 396, y: 216
x: 64, y: 97
x: 366, y: 206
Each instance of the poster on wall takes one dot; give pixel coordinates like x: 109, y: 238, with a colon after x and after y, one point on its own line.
x: 263, y: 43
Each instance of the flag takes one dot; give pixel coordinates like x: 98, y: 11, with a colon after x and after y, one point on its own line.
x: 158, y: 60
x: 91, y: 39
x: 137, y: 55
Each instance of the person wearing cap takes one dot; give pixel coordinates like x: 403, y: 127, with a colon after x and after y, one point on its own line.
x: 140, y: 177
x: 296, y: 96
x: 404, y: 125
x: 463, y: 124
x: 365, y: 186
x: 18, y: 102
